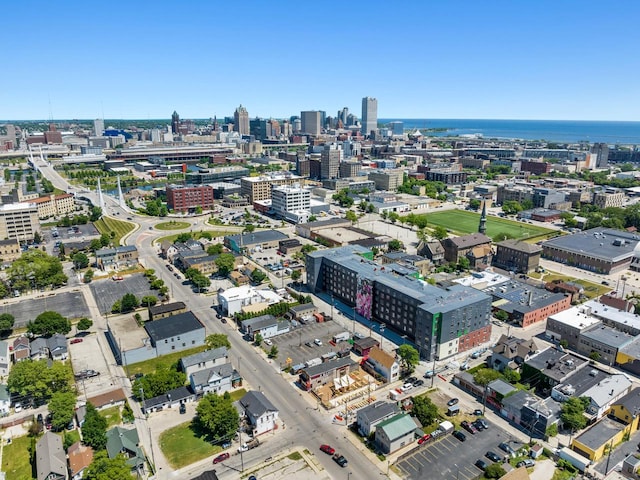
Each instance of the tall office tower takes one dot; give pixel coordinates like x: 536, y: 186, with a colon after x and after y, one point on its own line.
x: 241, y: 121
x: 351, y: 120
x: 297, y: 125
x: 286, y: 128
x: 397, y: 128
x: 323, y: 118
x: 330, y: 161
x: 343, y: 115
x: 602, y: 149
x: 311, y: 122
x: 175, y: 122
x: 98, y: 127
x: 369, y: 115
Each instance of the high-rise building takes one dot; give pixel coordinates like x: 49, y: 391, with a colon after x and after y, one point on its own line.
x: 19, y: 221
x: 369, y: 115
x: 350, y: 169
x: 241, y: 121
x: 311, y: 122
x: 602, y: 149
x: 289, y: 198
x: 343, y: 115
x: 175, y: 123
x: 397, y: 128
x: 98, y: 127
x: 330, y: 161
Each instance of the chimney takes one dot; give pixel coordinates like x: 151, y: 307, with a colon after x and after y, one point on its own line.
x: 530, y: 297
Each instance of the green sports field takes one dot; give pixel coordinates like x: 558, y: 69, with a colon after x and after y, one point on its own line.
x: 462, y: 222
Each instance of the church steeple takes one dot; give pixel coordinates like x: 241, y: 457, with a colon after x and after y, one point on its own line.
x: 482, y: 228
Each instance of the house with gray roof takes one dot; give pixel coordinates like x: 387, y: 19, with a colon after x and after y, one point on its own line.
x: 127, y: 443
x: 217, y: 379
x: 336, y: 371
x: 249, y: 241
x: 166, y: 310
x: 266, y: 325
x: 175, y: 333
x: 51, y: 459
x: 395, y: 432
x: 171, y: 399
x: 57, y: 346
x: 368, y: 417
x: 204, y: 360
x: 5, y: 364
x: 258, y: 411
x: 511, y: 352
x: 39, y: 348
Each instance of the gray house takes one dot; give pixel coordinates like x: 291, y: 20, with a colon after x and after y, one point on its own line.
x: 511, y: 352
x: 217, y: 379
x: 57, y: 345
x: 395, y: 433
x: 51, y: 459
x: 368, y: 417
x: 259, y: 412
x: 175, y: 333
x: 204, y: 360
x: 171, y: 399
x: 266, y: 325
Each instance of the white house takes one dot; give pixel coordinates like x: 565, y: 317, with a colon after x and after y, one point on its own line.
x: 259, y: 412
x: 382, y: 363
x: 234, y: 299
x: 218, y: 379
x: 266, y: 325
x: 203, y: 360
x: 5, y: 364
x: 5, y: 401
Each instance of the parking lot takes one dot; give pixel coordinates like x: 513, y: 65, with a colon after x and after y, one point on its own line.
x: 447, y: 457
x: 293, y: 344
x: 68, y: 304
x: 107, y: 291
x: 85, y: 356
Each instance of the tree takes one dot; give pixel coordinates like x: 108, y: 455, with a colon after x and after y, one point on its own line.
x: 343, y: 198
x: 312, y: 218
x: 217, y: 340
x: 595, y: 356
x: 35, y: 379
x: 249, y: 228
x: 424, y: 409
x: 464, y: 263
x: 94, y: 429
x: 35, y: 269
x: 258, y: 339
x: 511, y: 375
x: 409, y: 356
x: 215, y: 249
x: 6, y: 324
x: 258, y: 276
x: 37, y: 238
x: 296, y: 275
x: 129, y: 302
x: 440, y: 232
x: 494, y: 470
x: 183, y: 237
x: 552, y: 430
x: 511, y: 207
x: 474, y: 204
x: 572, y: 413
x: 157, y: 383
x: 225, y: 263
x: 105, y: 240
x: 395, y: 245
x: 148, y: 301
x: 351, y: 216
x: 84, y: 324
x: 485, y: 376
x: 217, y: 417
x: 393, y: 217
x: 80, y: 261
x: 88, y: 276
x: 104, y: 468
x: 95, y: 214
x: 273, y: 353
x: 62, y: 407
x: 49, y: 323
x: 308, y: 248
x: 501, y: 315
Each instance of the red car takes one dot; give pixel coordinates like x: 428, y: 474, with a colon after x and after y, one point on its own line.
x: 327, y: 449
x: 424, y: 438
x: 76, y: 340
x: 221, y: 458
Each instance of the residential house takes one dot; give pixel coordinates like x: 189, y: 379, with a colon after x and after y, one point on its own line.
x: 126, y: 442
x: 57, y: 346
x: 206, y: 265
x: 81, y: 413
x: 181, y: 259
x: 336, y: 371
x: 266, y: 325
x: 259, y: 412
x: 362, y: 346
x: 80, y: 457
x: 395, y: 432
x: 170, y: 250
x: 606, y: 393
x: 171, y: 399
x: 166, y: 310
x: 109, y: 399
x: 368, y: 417
x: 51, y: 460
x: 5, y: 364
x: 476, y: 247
x: 627, y: 408
x: 302, y: 311
x: 116, y: 258
x: 175, y: 333
x: 203, y: 360
x: 217, y: 379
x: 21, y: 349
x: 383, y: 364
x: 39, y: 349
x: 511, y: 352
x: 434, y: 251
x: 5, y: 401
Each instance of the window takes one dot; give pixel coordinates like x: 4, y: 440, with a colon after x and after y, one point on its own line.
x: 173, y: 347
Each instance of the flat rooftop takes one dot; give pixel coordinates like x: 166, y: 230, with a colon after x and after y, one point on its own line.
x: 605, y: 244
x: 613, y: 315
x: 600, y: 433
x: 608, y: 336
x: 556, y: 364
x: 575, y: 317
x: 127, y: 333
x: 522, y: 297
x: 343, y: 235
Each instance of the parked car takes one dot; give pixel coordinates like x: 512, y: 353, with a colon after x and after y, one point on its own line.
x: 481, y: 422
x: 183, y: 408
x: 494, y: 457
x: 469, y: 427
x: 526, y: 463
x: 308, y: 344
x: 459, y: 435
x: 407, y: 386
x: 424, y: 438
x: 327, y: 449
x: 481, y: 464
x: 268, y: 342
x: 477, y: 412
x: 507, y: 448
x: 340, y: 460
x: 418, y: 383
x: 453, y: 401
x: 221, y: 458
x: 318, y: 342
x: 76, y: 340
x: 411, y: 379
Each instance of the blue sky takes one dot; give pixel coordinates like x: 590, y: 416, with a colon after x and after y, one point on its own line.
x: 420, y: 59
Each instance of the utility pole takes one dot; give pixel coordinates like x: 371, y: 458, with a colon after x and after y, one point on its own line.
x: 433, y: 371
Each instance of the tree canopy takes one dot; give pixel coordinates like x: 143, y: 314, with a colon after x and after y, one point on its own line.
x: 49, y: 323
x: 424, y: 409
x: 35, y: 269
x: 409, y: 356
x: 572, y: 413
x: 258, y: 276
x: 80, y: 261
x: 34, y: 379
x: 215, y: 249
x: 225, y: 263
x: 485, y: 376
x: 217, y: 417
x: 62, y: 407
x: 158, y: 383
x: 94, y: 429
x: 84, y: 324
x: 440, y: 232
x: 105, y: 468
x: 395, y: 245
x: 6, y: 323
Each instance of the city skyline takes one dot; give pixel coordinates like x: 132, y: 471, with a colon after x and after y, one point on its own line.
x: 544, y: 60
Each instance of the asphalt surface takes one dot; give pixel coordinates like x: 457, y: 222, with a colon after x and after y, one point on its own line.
x: 107, y: 291
x: 68, y: 304
x: 293, y: 344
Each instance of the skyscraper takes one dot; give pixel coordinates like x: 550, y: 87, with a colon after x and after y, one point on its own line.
x: 241, y: 121
x: 602, y: 149
x: 369, y: 115
x: 98, y: 127
x: 175, y: 123
x: 311, y: 122
x: 330, y: 159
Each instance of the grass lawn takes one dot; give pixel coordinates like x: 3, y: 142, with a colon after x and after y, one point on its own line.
x: 73, y: 435
x: 591, y: 290
x: 238, y: 394
x: 153, y: 364
x: 172, y: 225
x: 463, y: 222
x: 15, y: 459
x: 112, y: 414
x: 108, y: 225
x: 181, y: 447
x: 196, y: 235
x: 562, y: 475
